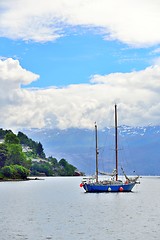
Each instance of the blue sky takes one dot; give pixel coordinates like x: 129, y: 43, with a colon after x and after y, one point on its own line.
x: 75, y: 58
x: 57, y: 57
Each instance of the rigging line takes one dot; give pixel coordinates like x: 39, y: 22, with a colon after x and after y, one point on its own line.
x: 126, y: 152
x: 90, y: 153
x: 127, y: 156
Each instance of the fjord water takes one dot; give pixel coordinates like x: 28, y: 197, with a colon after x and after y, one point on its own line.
x: 57, y: 208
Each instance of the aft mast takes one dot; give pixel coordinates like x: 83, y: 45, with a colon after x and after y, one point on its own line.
x: 116, y: 141
x: 96, y: 137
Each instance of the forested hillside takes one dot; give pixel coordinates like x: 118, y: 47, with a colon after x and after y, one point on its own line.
x: 20, y: 157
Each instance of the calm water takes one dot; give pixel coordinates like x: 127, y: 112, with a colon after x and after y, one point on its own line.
x: 57, y: 208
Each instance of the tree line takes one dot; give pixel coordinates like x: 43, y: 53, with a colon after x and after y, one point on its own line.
x: 15, y: 163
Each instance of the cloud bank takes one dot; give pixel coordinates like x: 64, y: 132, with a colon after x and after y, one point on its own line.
x: 136, y: 94
x: 132, y: 22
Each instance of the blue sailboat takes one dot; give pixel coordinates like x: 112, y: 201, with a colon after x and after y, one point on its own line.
x: 94, y: 184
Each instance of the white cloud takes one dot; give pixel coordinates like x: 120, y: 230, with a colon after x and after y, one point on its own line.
x: 133, y: 80
x: 12, y: 75
x: 136, y: 93
x: 131, y: 21
x: 155, y: 51
x: 156, y: 61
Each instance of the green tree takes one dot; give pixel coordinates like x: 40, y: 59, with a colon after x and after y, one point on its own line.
x: 53, y: 161
x: 23, y: 138
x: 3, y: 154
x: 8, y: 172
x: 15, y: 172
x: 42, y: 167
x: 21, y: 172
x: 63, y: 162
x: 37, y: 148
x: 40, y: 151
x: 66, y: 168
x: 4, y: 132
x: 15, y: 155
x: 11, y: 138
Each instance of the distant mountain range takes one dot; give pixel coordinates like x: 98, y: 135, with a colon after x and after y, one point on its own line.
x: 139, y: 148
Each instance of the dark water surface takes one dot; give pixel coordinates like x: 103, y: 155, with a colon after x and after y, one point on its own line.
x: 57, y: 208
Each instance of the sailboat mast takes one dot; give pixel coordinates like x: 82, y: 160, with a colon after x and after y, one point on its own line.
x: 116, y: 141
x: 96, y: 137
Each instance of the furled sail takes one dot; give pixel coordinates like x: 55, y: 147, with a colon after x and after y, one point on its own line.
x: 109, y: 174
x: 129, y: 179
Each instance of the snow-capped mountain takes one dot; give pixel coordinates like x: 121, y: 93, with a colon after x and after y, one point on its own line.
x: 139, y: 147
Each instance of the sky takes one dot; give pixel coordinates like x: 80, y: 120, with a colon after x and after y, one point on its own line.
x: 65, y: 63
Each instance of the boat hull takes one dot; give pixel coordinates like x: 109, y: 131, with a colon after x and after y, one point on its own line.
x: 94, y: 187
